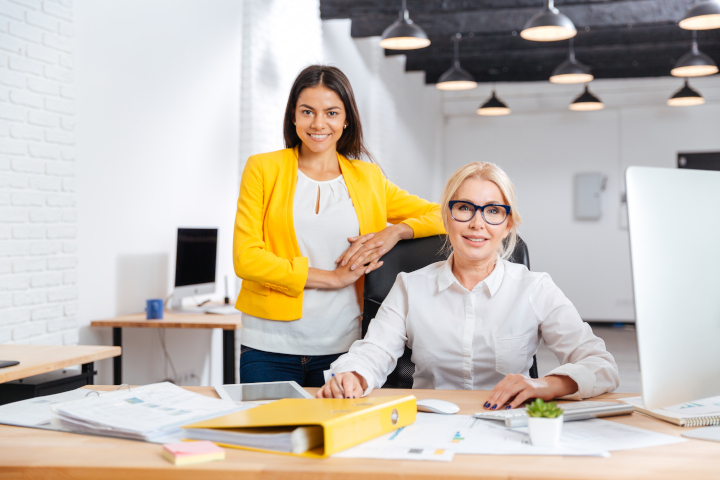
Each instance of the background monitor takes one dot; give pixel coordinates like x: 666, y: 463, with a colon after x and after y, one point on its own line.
x: 674, y: 223
x: 194, y: 263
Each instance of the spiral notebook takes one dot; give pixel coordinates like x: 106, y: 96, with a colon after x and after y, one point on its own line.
x: 700, y: 413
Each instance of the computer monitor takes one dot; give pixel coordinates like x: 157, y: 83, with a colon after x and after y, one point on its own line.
x: 674, y: 223
x: 194, y: 263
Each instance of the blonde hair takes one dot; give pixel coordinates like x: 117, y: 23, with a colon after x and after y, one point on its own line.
x: 492, y: 173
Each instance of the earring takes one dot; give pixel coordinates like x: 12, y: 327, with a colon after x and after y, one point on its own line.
x: 345, y: 126
x: 295, y: 124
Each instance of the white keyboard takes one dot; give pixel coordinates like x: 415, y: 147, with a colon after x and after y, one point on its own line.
x: 517, y: 417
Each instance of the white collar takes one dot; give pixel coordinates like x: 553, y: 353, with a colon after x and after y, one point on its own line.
x: 492, y: 282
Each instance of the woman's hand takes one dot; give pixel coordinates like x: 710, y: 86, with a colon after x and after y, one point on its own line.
x: 341, y: 277
x: 515, y: 389
x: 353, y: 384
x: 370, y: 247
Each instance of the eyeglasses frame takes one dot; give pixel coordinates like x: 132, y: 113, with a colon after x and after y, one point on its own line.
x: 482, y: 208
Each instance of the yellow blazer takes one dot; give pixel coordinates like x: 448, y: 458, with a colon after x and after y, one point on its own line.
x: 266, y: 254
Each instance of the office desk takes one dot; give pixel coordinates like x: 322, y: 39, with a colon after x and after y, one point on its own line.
x: 228, y: 324
x: 41, y: 360
x: 31, y: 453
x: 37, y: 359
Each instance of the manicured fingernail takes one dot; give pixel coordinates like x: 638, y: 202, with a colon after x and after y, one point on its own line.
x: 344, y: 263
x: 494, y: 406
x: 372, y: 234
x: 352, y: 268
x: 486, y: 405
x: 380, y: 243
x: 383, y: 251
x: 508, y: 407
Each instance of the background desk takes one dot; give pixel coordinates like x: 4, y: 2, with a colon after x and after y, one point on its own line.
x: 31, y: 453
x: 39, y: 359
x: 228, y: 324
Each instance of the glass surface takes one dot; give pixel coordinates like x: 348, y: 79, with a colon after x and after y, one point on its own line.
x: 494, y: 214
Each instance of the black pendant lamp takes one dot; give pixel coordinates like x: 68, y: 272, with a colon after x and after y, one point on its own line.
x: 586, y: 102
x: 493, y: 107
x: 571, y: 71
x: 702, y: 16
x: 548, y: 25
x: 403, y: 34
x: 694, y: 63
x: 685, y: 97
x: 456, y: 78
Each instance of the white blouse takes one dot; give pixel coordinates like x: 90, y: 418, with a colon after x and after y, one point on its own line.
x: 471, y: 340
x: 329, y: 323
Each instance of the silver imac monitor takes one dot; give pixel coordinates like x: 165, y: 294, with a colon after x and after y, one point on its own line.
x: 194, y: 263
x: 674, y: 223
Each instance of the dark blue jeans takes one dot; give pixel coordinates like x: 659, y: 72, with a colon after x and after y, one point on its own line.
x: 259, y: 366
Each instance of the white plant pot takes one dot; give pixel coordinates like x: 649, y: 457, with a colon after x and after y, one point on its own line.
x: 545, y: 432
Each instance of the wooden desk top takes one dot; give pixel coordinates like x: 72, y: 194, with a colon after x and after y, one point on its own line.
x: 172, y: 320
x: 37, y: 359
x: 32, y: 453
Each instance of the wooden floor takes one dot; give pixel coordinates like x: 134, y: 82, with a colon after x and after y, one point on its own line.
x: 621, y: 342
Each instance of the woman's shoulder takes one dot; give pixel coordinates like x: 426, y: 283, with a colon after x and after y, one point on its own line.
x: 278, y: 156
x: 519, y: 272
x: 363, y: 167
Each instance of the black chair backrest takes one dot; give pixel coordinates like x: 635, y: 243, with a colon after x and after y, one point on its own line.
x: 408, y: 256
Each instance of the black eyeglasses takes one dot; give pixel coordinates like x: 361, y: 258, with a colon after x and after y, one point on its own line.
x: 492, y: 213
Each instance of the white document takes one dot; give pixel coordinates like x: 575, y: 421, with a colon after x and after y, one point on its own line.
x: 35, y: 412
x: 705, y: 406
x: 460, y: 434
x: 463, y: 434
x: 141, y: 412
x: 596, y: 434
x: 396, y: 453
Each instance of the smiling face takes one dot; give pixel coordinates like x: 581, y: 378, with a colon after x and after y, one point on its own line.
x: 476, y: 242
x: 319, y: 119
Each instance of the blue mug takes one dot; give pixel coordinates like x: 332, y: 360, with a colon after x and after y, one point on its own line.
x: 154, y: 309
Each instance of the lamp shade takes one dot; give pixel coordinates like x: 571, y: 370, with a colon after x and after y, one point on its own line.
x: 685, y: 97
x: 694, y: 64
x: 586, y: 102
x: 703, y: 16
x: 403, y: 34
x: 493, y: 107
x: 571, y: 71
x: 456, y: 78
x: 548, y: 25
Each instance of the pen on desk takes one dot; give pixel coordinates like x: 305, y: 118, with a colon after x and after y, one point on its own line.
x: 342, y: 390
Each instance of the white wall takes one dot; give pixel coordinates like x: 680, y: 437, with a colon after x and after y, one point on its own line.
x: 542, y: 145
x: 38, y: 228
x: 402, y: 117
x: 158, y: 122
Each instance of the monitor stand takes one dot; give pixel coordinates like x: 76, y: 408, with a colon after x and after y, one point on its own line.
x: 705, y: 433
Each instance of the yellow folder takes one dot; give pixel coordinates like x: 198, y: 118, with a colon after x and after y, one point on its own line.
x: 345, y: 422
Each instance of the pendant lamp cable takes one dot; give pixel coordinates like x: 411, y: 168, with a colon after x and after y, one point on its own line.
x: 457, y: 38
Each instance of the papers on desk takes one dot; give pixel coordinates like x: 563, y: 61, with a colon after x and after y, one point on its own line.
x: 153, y: 413
x: 35, y: 412
x: 463, y: 434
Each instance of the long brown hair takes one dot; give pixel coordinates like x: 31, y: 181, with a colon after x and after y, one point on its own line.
x: 351, y: 143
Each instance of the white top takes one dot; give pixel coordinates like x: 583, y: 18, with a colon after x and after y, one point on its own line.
x: 471, y: 340
x: 330, y: 322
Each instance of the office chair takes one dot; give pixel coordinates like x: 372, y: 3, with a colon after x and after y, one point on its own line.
x: 408, y: 256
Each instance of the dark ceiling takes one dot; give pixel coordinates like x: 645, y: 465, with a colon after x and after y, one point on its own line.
x: 616, y: 38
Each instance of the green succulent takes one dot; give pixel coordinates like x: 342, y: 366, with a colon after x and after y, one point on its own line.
x: 538, y: 408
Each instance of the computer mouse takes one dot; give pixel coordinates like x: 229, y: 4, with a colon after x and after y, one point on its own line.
x: 432, y: 405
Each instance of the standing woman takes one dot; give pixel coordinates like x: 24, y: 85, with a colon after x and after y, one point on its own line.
x: 311, y: 221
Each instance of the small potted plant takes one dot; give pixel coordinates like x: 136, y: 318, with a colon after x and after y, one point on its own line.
x: 545, y: 423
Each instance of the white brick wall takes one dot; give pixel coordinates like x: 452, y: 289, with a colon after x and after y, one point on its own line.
x: 280, y: 38
x: 38, y: 258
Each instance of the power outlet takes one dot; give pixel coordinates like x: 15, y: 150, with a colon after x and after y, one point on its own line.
x: 188, y: 379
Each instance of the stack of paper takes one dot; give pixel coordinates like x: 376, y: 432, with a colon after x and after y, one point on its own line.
x: 152, y: 413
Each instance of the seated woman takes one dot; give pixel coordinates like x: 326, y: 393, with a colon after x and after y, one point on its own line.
x: 475, y: 320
